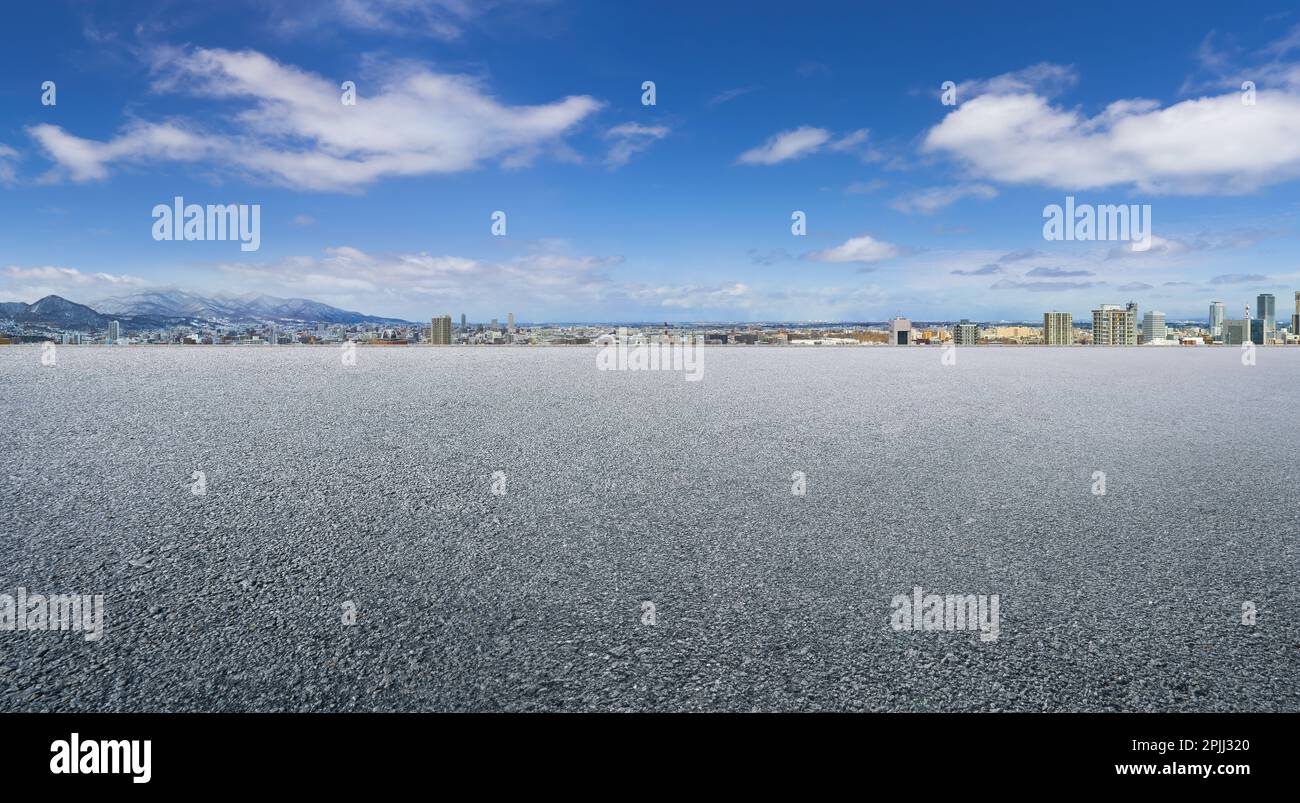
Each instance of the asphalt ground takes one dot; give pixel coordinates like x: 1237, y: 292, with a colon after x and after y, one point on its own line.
x: 332, y: 489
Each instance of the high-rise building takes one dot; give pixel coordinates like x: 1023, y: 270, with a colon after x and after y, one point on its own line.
x: 440, y: 331
x: 1295, y: 319
x: 900, y: 332
x: 1058, y: 328
x: 1216, y: 319
x: 1153, y: 327
x: 965, y: 333
x: 1266, y: 309
x: 1236, y: 332
x: 462, y: 322
x: 1113, y: 325
x: 271, y: 336
x: 114, y: 331
x: 510, y: 322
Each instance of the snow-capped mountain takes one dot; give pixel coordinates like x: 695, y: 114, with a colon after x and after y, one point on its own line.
x: 248, y: 308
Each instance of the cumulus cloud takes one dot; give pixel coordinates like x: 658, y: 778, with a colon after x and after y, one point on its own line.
x: 18, y: 283
x: 1015, y: 135
x: 864, y: 249
x: 929, y: 201
x: 629, y: 139
x: 295, y: 131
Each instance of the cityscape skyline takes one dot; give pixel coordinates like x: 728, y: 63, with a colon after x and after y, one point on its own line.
x: 750, y: 189
x: 56, y: 320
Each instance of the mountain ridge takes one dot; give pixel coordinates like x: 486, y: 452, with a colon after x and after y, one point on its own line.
x: 160, y: 307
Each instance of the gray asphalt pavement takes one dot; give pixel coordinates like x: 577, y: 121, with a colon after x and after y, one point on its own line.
x: 373, y: 485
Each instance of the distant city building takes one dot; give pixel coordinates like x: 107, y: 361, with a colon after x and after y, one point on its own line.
x: 1153, y: 327
x: 1236, y: 331
x: 510, y: 322
x: 900, y: 332
x: 114, y: 331
x: 494, y: 326
x: 1216, y: 319
x: 462, y: 322
x: 271, y: 336
x: 440, y: 331
x: 1295, y: 319
x: 1259, y: 332
x: 965, y: 333
x: 1266, y: 310
x: 1058, y: 328
x: 1113, y: 325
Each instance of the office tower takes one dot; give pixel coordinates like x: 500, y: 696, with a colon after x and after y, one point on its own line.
x: 510, y: 322
x: 965, y: 333
x: 1216, y: 319
x: 462, y: 322
x: 494, y: 325
x: 1058, y: 328
x: 440, y: 331
x: 1153, y: 327
x: 1113, y: 325
x: 1266, y: 309
x: 271, y: 336
x: 1295, y: 319
x: 114, y: 331
x: 1258, y: 332
x: 1236, y: 332
x: 900, y: 332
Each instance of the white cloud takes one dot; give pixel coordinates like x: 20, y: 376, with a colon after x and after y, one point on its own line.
x: 864, y: 249
x: 397, y: 282
x: 1206, y: 145
x: 734, y: 295
x: 7, y: 155
x: 296, y: 131
x: 793, y: 144
x: 439, y: 19
x: 629, y: 139
x: 1158, y: 246
x: 1043, y: 78
x: 805, y: 140
x: 27, y: 284
x: 855, y: 142
x: 931, y: 200
x: 730, y: 94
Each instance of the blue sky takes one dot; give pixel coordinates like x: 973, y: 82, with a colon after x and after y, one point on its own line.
x: 678, y: 211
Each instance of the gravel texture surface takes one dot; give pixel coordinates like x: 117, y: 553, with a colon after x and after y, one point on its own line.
x: 372, y: 484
